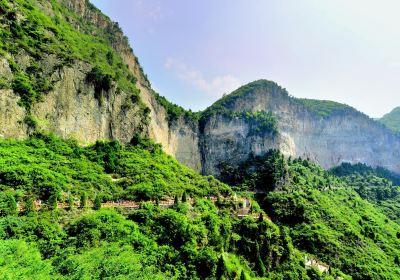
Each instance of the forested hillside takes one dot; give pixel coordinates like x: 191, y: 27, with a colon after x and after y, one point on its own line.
x: 88, y: 191
x: 201, y: 235
x: 296, y: 210
x: 392, y: 119
x: 331, y: 217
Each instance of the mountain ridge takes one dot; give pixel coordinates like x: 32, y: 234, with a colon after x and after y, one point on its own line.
x: 72, y: 88
x: 392, y: 120
x: 106, y: 95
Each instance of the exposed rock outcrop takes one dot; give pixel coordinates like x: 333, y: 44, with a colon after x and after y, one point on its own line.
x: 343, y: 135
x: 327, y: 133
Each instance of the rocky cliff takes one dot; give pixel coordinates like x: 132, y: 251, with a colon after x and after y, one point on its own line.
x: 67, y: 68
x: 73, y: 106
x: 326, y: 132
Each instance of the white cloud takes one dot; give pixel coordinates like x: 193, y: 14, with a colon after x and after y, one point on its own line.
x: 213, y: 87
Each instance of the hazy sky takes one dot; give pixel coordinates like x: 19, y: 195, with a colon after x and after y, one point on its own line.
x: 194, y: 51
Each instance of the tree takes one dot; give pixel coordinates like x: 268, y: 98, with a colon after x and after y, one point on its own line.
x: 70, y: 202
x: 176, y: 200
x: 12, y: 205
x: 84, y: 198
x: 184, y: 197
x: 30, y: 208
x: 261, y: 217
x: 8, y: 205
x: 21, y: 260
x: 53, y: 202
x: 97, y: 203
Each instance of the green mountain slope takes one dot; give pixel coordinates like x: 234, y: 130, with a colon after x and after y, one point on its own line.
x: 46, y: 166
x: 377, y: 185
x: 325, y: 216
x: 41, y: 39
x: 321, y: 108
x: 392, y: 119
x: 181, y: 241
x: 113, y: 211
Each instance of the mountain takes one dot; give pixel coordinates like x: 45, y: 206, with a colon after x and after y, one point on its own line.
x: 89, y: 189
x: 392, y: 119
x: 67, y: 68
x: 325, y: 132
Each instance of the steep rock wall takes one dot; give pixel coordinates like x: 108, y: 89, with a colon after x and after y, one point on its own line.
x: 73, y: 108
x: 347, y: 136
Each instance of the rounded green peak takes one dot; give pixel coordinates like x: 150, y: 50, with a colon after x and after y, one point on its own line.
x: 392, y: 119
x: 227, y: 100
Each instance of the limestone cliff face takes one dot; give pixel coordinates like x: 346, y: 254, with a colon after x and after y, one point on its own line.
x: 344, y: 135
x: 72, y: 109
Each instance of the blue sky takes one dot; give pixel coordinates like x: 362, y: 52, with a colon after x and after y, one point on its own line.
x: 195, y: 51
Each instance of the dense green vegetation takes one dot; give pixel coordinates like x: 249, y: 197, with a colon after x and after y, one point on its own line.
x: 377, y: 185
x: 347, y: 218
x: 392, y: 119
x: 174, y: 111
x: 323, y: 214
x: 272, y: 171
x: 165, y: 244
x: 347, y: 169
x: 224, y: 105
x: 324, y: 108
x: 313, y: 212
x: 196, y: 240
x: 374, y: 184
x: 46, y: 166
x: 30, y: 36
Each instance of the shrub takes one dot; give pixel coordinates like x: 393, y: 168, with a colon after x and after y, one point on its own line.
x: 100, y: 80
x: 23, y: 87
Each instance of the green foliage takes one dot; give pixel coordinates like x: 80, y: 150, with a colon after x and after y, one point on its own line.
x: 19, y: 260
x: 58, y: 32
x: 262, y: 122
x: 23, y: 87
x: 84, y: 200
x: 8, y: 205
x: 377, y: 185
x: 324, y: 216
x: 263, y: 173
x: 97, y: 203
x: 225, y: 105
x: 348, y: 169
x: 46, y: 166
x: 110, y: 261
x: 392, y: 120
x: 30, y: 208
x: 31, y: 122
x: 165, y: 244
x: 101, y: 81
x: 324, y: 108
x: 339, y: 228
x: 174, y: 111
x: 107, y: 154
x: 70, y: 202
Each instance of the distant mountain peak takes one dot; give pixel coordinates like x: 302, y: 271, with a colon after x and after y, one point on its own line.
x: 392, y: 119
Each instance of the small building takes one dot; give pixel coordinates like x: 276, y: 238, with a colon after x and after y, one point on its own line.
x: 310, y: 262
